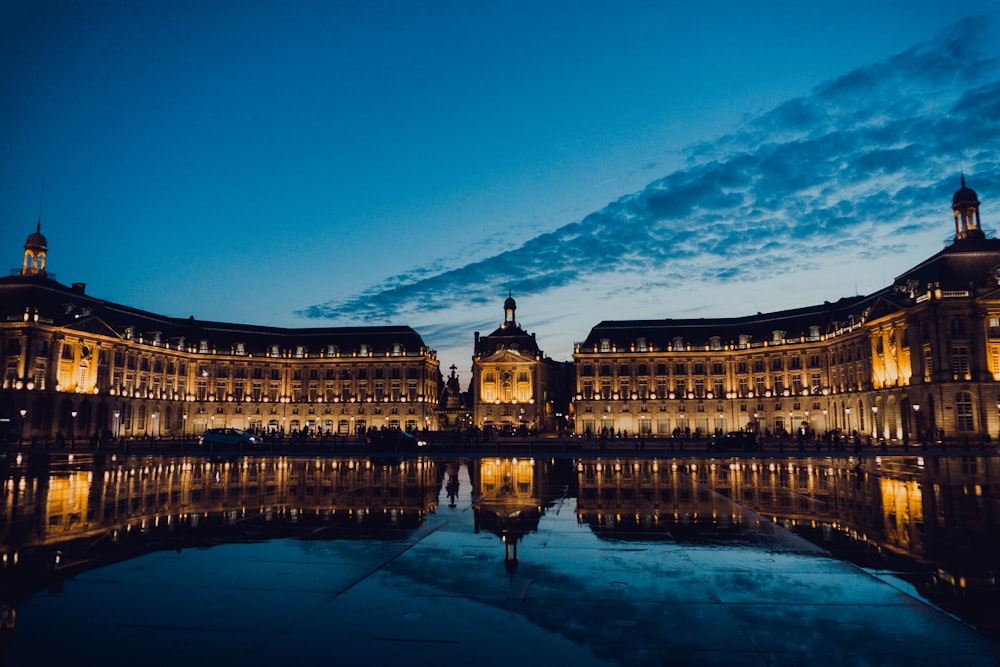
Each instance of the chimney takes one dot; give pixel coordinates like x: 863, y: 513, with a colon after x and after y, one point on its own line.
x: 79, y: 288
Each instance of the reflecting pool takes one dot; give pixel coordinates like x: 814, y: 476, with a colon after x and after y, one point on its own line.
x: 592, y: 560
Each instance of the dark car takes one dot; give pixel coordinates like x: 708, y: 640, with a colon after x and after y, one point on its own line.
x: 230, y: 437
x: 394, y: 440
x: 735, y: 441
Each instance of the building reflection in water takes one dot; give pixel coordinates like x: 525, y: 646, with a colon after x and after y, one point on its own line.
x: 80, y: 514
x: 935, y: 519
x: 508, y: 500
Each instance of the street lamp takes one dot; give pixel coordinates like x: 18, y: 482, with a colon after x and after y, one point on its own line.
x: 117, y: 423
x: 184, y: 427
x: 20, y: 438
x: 874, y: 420
x: 72, y: 429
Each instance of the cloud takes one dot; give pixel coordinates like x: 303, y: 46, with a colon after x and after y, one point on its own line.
x: 860, y: 165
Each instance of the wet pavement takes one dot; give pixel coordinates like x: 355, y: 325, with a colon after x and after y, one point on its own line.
x: 456, y: 566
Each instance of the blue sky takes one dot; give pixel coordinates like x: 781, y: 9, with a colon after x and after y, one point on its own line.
x: 335, y: 163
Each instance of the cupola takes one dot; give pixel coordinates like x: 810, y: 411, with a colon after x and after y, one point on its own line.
x: 36, y: 247
x: 965, y: 205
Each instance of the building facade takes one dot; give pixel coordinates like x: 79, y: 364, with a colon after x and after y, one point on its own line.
x: 917, y: 360
x: 79, y: 368
x: 515, y: 387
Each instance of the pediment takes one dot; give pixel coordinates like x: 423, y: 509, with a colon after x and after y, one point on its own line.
x: 501, y: 356
x: 92, y: 325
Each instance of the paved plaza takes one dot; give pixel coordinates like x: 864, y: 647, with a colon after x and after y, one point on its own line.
x: 458, y: 587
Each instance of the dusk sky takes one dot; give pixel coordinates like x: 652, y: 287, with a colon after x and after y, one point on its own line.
x: 340, y: 163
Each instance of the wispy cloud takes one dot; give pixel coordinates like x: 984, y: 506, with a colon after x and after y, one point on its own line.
x: 864, y: 162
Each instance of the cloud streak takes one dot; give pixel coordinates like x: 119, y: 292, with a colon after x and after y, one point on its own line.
x: 863, y: 162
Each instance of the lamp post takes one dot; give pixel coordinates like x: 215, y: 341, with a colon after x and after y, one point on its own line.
x: 184, y: 429
x: 72, y: 430
x: 916, y: 420
x: 874, y: 420
x: 117, y: 424
x: 20, y: 437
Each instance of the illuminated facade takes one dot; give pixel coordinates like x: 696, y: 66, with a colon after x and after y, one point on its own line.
x: 77, y: 367
x: 918, y: 360
x: 514, y: 385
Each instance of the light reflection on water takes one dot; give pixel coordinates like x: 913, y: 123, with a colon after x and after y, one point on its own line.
x: 561, y: 529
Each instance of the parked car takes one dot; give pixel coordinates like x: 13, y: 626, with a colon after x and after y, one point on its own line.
x: 228, y: 437
x: 394, y: 440
x: 740, y: 441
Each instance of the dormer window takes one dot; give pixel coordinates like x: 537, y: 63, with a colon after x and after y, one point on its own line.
x: 678, y: 344
x: 331, y: 350
x: 129, y: 333
x: 203, y: 347
x: 273, y: 351
x: 241, y: 349
x: 777, y: 336
x: 814, y: 332
x: 300, y: 351
x: 641, y: 345
x: 715, y: 343
x: 744, y: 340
x: 605, y: 345
x: 364, y: 350
x: 397, y: 349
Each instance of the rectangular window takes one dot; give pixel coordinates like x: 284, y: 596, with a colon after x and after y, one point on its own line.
x: 960, y: 362
x: 963, y: 410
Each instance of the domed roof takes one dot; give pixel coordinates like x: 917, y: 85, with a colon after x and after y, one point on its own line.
x: 37, y: 239
x: 510, y: 304
x: 964, y: 195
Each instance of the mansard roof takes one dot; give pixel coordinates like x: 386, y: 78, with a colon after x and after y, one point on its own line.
x: 967, y: 264
x: 70, y: 307
x: 799, y: 323
x: 507, y: 336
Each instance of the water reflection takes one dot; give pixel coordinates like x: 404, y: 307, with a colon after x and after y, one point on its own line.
x: 934, y: 520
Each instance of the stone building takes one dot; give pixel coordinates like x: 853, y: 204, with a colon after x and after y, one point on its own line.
x: 515, y: 387
x: 917, y: 360
x: 75, y: 366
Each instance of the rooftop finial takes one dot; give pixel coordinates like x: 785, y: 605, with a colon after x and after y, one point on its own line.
x: 41, y: 199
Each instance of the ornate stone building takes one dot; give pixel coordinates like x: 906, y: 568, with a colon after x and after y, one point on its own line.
x: 918, y: 359
x: 75, y: 365
x: 514, y: 385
